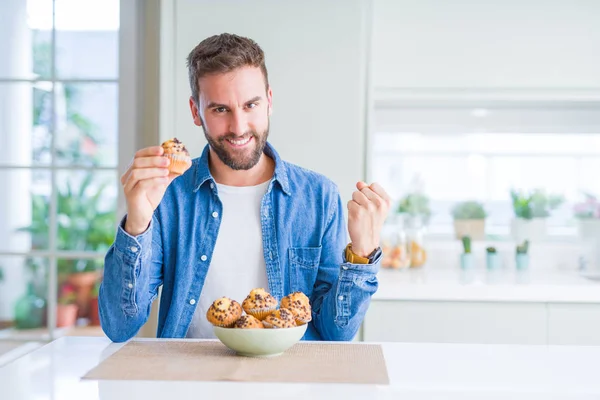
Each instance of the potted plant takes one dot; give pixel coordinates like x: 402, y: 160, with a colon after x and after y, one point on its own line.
x: 469, y: 220
x: 93, y: 306
x: 492, y: 258
x: 466, y: 258
x: 522, y: 256
x: 66, y: 308
x: 84, y: 283
x: 531, y: 210
x: 587, y: 214
x: 415, y: 205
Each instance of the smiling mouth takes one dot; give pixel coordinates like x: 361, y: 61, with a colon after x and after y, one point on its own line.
x: 238, y: 143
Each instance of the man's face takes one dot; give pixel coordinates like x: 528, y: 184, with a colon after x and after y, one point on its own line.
x: 234, y: 109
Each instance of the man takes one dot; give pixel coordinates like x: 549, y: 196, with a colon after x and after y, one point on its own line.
x: 239, y: 218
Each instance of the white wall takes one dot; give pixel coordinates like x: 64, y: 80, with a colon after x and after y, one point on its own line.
x: 486, y: 44
x: 15, y: 116
x: 316, y: 57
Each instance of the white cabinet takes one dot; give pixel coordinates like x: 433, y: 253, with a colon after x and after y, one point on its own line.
x: 574, y: 324
x: 483, y: 322
x: 455, y: 322
x: 509, y: 44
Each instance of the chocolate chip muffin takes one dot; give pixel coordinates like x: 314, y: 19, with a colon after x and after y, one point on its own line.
x: 259, y: 303
x: 282, y: 318
x: 178, y: 154
x: 248, y: 322
x: 299, y: 305
x: 224, y: 312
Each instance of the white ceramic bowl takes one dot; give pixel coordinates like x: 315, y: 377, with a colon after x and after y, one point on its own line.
x: 260, y: 342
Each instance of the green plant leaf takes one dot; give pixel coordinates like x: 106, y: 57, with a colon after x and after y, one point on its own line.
x: 535, y: 204
x: 415, y: 204
x: 466, y: 240
x: 81, y: 225
x: 469, y: 210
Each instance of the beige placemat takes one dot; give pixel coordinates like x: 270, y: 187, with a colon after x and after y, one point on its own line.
x: 212, y: 361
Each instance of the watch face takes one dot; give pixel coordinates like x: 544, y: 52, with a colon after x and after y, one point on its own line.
x: 374, y: 254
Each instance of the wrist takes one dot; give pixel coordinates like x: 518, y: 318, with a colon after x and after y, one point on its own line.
x: 354, y: 258
x: 135, y: 228
x: 361, y: 250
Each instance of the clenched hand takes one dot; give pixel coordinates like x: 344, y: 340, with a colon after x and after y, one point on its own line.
x: 367, y: 212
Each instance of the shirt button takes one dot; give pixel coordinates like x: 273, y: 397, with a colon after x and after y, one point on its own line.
x: 341, y: 298
x: 215, y: 214
x: 130, y: 286
x: 344, y: 267
x: 203, y: 258
x: 212, y: 185
x: 192, y: 301
x: 133, y: 249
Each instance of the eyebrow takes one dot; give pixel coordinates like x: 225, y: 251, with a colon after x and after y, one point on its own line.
x: 217, y: 105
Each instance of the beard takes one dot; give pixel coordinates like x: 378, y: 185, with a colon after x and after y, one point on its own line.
x: 243, y: 159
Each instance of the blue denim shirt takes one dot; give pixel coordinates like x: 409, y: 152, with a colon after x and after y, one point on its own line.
x: 304, y: 235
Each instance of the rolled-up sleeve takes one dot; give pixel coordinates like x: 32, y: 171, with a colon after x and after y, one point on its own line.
x: 132, y: 276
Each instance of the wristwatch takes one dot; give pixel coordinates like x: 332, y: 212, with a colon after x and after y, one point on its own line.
x: 353, y: 258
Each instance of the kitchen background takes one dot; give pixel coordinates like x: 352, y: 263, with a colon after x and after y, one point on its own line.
x: 481, y: 119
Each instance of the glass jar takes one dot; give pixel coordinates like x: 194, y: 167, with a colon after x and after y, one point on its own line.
x: 396, y: 252
x: 415, y: 232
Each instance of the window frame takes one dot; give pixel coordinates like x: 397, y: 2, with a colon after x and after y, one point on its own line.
x: 130, y: 74
x: 388, y: 100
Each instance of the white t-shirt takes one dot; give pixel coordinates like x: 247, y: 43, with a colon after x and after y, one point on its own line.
x: 238, y: 262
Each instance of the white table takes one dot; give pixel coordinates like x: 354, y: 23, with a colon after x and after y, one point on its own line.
x: 417, y: 371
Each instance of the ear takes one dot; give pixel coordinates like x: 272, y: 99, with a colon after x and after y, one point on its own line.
x: 195, y: 112
x: 269, y: 101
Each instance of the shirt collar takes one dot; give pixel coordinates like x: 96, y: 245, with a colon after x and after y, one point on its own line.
x: 202, y: 173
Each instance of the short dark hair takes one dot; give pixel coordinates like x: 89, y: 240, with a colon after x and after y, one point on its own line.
x: 223, y: 53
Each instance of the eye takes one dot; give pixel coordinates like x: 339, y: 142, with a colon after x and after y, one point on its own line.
x: 220, y: 110
x: 252, y: 105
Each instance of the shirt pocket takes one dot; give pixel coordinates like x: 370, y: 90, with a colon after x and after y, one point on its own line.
x: 304, y: 265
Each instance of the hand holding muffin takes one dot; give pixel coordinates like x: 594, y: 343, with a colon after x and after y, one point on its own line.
x: 147, y: 178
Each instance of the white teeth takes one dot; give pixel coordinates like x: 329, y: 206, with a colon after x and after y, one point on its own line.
x: 239, y: 142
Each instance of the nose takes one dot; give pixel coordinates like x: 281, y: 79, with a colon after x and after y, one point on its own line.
x: 238, y: 123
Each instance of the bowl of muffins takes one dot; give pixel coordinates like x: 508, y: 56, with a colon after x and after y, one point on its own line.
x: 260, y: 326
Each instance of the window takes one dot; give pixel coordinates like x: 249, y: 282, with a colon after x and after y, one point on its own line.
x: 482, y: 151
x: 59, y: 131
